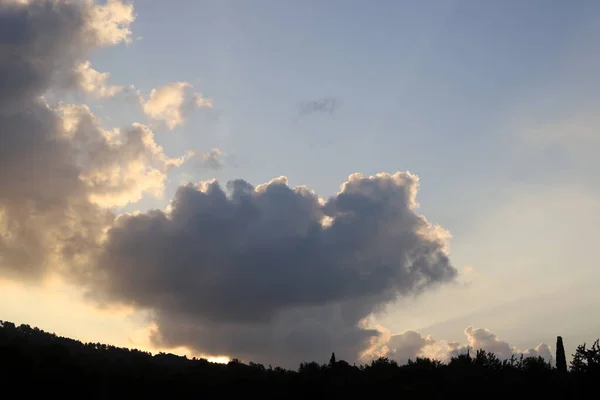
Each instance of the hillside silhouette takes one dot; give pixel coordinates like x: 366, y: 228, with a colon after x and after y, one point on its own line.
x: 33, y: 361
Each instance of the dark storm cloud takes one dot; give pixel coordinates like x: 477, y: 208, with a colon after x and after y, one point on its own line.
x: 251, y: 265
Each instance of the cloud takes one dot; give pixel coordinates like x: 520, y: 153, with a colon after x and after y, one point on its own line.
x: 326, y: 104
x: 172, y: 103
x: 43, y: 39
x: 109, y: 23
x: 256, y: 273
x: 43, y: 203
x: 57, y: 166
x: 118, y: 166
x: 410, y: 344
x: 212, y: 159
x: 483, y: 338
x: 90, y: 81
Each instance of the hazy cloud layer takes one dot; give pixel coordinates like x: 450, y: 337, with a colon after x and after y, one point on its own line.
x: 411, y: 344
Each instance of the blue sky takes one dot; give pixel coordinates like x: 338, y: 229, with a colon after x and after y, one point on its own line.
x: 494, y: 105
x: 423, y: 87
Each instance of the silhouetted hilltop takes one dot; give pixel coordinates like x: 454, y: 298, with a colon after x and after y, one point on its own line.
x: 36, y: 362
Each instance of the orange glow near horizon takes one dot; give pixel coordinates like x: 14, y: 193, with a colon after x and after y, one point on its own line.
x: 61, y: 309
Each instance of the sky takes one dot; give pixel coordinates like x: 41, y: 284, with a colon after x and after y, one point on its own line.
x: 277, y: 180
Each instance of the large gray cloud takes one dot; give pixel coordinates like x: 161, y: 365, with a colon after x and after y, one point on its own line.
x: 273, y: 270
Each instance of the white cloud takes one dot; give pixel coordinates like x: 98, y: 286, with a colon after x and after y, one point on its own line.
x: 118, y: 166
x: 110, y: 23
x: 411, y: 344
x: 172, y: 103
x: 93, y: 82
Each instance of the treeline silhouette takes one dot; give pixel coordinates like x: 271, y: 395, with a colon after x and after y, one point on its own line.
x: 33, y: 361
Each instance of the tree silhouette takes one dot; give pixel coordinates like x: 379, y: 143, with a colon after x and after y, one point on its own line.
x: 561, y: 359
x: 587, y: 360
x: 31, y: 359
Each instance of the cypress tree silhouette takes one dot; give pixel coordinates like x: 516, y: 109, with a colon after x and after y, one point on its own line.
x: 561, y: 359
x: 332, y: 360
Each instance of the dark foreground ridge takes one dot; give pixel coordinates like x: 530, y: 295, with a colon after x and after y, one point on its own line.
x: 34, y: 362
